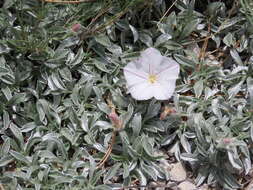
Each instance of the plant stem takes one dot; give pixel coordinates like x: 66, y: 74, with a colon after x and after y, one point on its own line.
x: 109, y: 150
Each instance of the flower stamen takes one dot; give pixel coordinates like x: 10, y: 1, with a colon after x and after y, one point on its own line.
x: 152, y: 78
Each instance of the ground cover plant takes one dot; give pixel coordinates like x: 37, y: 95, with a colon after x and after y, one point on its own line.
x: 67, y: 121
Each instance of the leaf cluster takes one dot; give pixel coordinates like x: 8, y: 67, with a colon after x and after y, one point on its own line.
x: 55, y: 85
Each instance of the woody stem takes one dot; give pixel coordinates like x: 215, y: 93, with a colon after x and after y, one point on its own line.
x: 109, y: 150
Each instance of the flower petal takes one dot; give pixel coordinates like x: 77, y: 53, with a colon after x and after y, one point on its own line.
x: 142, y: 91
x: 150, y: 60
x: 134, y: 75
x: 168, y: 69
x: 164, y: 89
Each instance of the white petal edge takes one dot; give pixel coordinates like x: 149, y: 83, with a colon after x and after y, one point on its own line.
x: 164, y: 90
x: 133, y: 75
x: 142, y: 91
x: 150, y: 60
x: 168, y: 70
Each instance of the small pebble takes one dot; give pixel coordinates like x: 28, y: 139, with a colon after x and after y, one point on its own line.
x: 186, y: 185
x: 177, y: 172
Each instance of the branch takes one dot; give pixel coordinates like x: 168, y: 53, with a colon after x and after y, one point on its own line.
x: 109, y: 150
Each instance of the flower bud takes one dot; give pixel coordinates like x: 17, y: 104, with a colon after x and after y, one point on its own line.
x: 167, y: 111
x: 116, y: 121
x: 227, y: 140
x: 76, y: 27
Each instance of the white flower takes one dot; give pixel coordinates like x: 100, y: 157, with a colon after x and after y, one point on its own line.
x: 152, y: 75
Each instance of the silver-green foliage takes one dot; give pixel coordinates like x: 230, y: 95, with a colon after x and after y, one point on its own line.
x: 54, y: 126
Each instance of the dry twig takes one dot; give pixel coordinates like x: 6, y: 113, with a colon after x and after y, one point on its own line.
x: 167, y: 11
x: 203, y: 50
x: 1, y: 187
x: 109, y: 150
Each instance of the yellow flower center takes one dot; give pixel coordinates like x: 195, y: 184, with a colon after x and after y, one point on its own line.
x: 152, y: 78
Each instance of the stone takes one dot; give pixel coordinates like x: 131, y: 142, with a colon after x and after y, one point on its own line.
x: 250, y: 186
x: 186, y: 185
x: 177, y: 172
